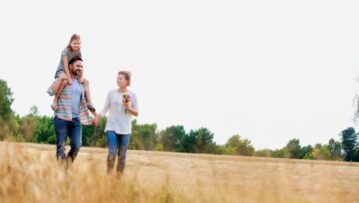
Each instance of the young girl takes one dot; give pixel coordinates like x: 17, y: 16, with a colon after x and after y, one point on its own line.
x: 63, y: 73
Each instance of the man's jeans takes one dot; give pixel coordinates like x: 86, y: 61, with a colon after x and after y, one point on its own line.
x: 117, y: 145
x: 73, y: 130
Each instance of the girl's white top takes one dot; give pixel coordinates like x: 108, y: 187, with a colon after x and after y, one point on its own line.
x: 118, y: 120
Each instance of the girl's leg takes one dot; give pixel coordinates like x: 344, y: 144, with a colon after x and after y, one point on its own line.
x: 88, y: 95
x: 123, y: 144
x: 112, y: 150
x: 57, y: 88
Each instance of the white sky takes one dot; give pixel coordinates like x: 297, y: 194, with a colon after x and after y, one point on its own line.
x: 266, y: 70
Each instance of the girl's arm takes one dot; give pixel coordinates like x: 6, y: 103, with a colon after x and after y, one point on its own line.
x: 54, y: 88
x: 66, y: 67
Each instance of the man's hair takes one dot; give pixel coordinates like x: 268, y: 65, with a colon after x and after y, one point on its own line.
x: 74, y: 59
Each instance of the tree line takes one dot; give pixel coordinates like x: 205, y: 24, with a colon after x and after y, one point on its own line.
x: 37, y: 128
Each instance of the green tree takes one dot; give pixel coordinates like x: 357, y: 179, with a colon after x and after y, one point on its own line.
x: 294, y: 148
x: 28, y: 125
x: 94, y: 136
x: 241, y: 146
x: 144, y: 136
x: 263, y: 153
x: 205, y: 143
x: 198, y: 141
x: 321, y: 152
x: 356, y: 154
x: 171, y: 138
x: 45, y: 130
x: 7, y: 124
x: 349, y: 140
x: 6, y: 101
x: 188, y: 143
x: 335, y: 149
x: 305, y: 152
x: 34, y: 111
x: 159, y: 147
x: 228, y: 150
x: 281, y: 153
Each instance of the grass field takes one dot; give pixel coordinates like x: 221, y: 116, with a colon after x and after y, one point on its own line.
x: 29, y: 173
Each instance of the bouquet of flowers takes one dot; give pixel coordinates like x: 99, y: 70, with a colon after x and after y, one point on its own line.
x: 126, y: 99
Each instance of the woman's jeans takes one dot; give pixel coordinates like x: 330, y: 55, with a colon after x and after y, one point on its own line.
x: 117, y: 145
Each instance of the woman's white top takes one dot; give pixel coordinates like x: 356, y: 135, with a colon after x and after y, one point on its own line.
x: 118, y: 120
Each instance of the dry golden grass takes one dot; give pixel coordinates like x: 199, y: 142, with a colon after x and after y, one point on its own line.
x: 29, y: 173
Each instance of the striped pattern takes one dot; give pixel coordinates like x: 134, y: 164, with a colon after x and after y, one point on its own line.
x: 64, y: 105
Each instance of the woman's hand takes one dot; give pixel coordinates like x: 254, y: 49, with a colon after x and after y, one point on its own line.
x: 127, y: 102
x: 126, y: 106
x: 96, y: 119
x: 130, y: 109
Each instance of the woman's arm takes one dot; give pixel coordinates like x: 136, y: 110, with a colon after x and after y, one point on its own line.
x: 133, y: 109
x: 106, y: 106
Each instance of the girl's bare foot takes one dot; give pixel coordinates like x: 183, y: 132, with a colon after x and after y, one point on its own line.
x: 69, y: 81
x: 82, y: 80
x: 54, y: 106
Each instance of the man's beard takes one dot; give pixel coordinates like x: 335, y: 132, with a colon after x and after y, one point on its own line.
x: 76, y: 72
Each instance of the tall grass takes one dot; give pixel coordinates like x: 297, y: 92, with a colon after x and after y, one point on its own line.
x: 29, y: 173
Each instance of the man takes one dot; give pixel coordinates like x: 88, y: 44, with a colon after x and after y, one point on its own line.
x: 72, y: 111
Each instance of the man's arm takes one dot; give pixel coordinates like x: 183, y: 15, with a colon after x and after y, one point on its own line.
x: 93, y: 112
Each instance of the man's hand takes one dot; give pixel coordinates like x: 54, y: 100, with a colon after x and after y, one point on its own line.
x: 96, y: 120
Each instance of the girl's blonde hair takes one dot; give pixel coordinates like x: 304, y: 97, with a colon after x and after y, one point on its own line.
x: 73, y: 38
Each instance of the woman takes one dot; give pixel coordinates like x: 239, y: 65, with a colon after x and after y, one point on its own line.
x: 121, y: 105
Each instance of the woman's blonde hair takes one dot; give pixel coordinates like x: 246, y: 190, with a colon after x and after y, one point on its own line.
x: 127, y: 75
